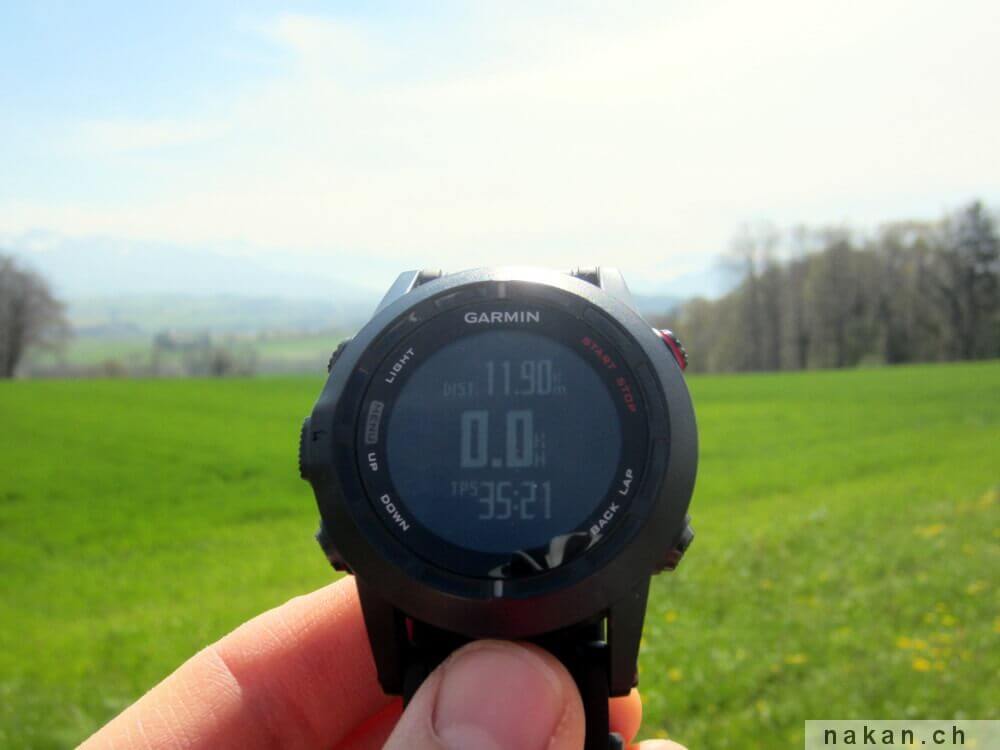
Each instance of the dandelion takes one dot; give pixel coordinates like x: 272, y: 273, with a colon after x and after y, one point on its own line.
x: 841, y: 634
x: 675, y: 675
x: 904, y: 643
x: 989, y: 497
x: 921, y: 664
x: 670, y: 616
x: 796, y: 659
x: 976, y: 587
x: 933, y: 530
x: 949, y: 621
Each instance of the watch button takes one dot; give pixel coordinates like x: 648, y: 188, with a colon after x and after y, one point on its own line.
x: 674, y: 345
x: 302, y: 447
x: 676, y: 552
x: 336, y: 354
x: 326, y: 544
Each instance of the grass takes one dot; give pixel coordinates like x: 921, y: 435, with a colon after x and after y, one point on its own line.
x: 844, y: 566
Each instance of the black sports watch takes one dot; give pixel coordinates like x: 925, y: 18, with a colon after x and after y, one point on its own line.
x: 505, y: 453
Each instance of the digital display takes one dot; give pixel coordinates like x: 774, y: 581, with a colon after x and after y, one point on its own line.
x: 503, y: 440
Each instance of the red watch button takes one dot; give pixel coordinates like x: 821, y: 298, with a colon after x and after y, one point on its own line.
x: 674, y: 344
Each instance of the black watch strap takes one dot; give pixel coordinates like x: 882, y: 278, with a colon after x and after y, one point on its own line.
x: 581, y: 648
x: 590, y: 275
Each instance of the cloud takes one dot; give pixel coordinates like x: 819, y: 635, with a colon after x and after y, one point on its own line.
x: 103, y: 137
x: 642, y: 136
x: 322, y: 41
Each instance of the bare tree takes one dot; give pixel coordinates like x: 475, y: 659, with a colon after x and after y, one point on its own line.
x: 795, y: 345
x: 965, y: 281
x: 752, y: 256
x: 30, y: 316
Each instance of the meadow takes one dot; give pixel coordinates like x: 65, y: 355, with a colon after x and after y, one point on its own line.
x: 844, y: 566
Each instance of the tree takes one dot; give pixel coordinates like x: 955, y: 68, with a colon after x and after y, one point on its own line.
x: 752, y: 255
x: 965, y: 283
x: 30, y: 316
x: 795, y: 337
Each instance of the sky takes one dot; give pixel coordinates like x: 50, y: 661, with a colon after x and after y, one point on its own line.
x: 375, y: 137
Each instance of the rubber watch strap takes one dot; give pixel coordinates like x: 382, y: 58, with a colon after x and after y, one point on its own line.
x: 581, y: 648
x: 590, y: 275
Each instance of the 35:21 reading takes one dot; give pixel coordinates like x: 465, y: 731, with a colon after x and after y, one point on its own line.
x: 504, y: 500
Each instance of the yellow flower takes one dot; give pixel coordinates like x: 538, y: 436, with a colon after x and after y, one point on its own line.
x: 841, y: 634
x: 989, y: 497
x: 930, y: 531
x: 903, y: 642
x: 921, y: 664
x: 975, y: 587
x: 948, y: 621
x: 670, y: 616
x: 675, y: 675
x: 796, y: 659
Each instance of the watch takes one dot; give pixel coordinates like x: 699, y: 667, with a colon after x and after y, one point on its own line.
x: 505, y: 453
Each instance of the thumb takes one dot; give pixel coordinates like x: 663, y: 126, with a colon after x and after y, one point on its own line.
x: 494, y: 695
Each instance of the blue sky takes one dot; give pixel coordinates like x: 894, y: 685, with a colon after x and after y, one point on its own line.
x: 390, y: 135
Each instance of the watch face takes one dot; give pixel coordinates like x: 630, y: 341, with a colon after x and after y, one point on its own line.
x: 502, y: 440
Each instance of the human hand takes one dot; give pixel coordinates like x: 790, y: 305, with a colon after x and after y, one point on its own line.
x: 302, y: 676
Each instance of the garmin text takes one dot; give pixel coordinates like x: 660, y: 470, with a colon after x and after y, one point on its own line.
x: 515, y: 316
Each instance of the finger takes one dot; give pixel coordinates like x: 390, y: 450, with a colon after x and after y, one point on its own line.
x: 660, y: 745
x: 625, y: 715
x: 494, y: 695
x: 300, y: 675
x: 374, y: 732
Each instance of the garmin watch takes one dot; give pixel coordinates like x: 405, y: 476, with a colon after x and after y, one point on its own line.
x: 505, y: 453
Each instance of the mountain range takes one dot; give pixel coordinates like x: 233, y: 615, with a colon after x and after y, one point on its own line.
x: 123, y: 287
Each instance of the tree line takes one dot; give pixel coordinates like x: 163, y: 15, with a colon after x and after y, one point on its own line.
x: 823, y: 298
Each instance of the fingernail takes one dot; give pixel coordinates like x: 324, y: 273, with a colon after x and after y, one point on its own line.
x: 497, y: 696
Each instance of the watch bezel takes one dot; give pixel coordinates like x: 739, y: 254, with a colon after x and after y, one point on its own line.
x: 521, y: 607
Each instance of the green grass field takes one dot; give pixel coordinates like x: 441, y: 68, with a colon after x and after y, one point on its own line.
x: 845, y: 564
